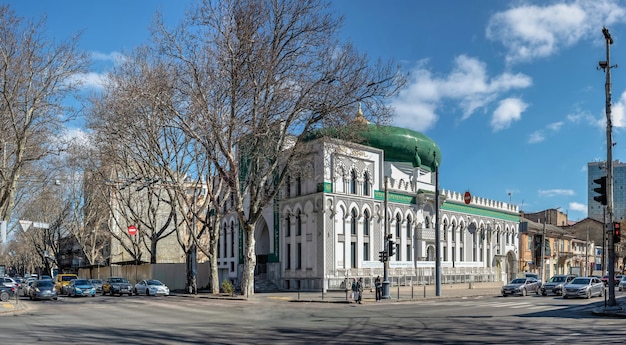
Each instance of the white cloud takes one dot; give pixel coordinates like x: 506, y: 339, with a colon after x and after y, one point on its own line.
x: 76, y: 135
x: 536, y: 137
x: 91, y: 80
x: 114, y: 57
x: 555, y: 192
x: 468, y: 84
x: 508, y: 110
x: 540, y: 134
x: 576, y: 206
x: 529, y: 32
x: 555, y: 127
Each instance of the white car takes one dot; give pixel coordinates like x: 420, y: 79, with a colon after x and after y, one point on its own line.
x: 622, y: 284
x: 151, y: 287
x: 9, y: 282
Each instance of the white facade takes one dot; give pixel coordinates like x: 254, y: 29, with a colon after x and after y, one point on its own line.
x: 330, y: 226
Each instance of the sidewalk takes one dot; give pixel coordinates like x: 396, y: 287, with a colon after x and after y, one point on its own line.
x: 396, y: 293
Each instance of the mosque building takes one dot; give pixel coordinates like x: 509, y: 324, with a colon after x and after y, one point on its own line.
x: 330, y: 226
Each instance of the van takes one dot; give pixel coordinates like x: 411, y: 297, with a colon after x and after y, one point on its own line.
x: 61, y: 281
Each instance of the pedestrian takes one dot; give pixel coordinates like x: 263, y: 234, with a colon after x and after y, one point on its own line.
x: 354, y: 293
x: 359, y: 289
x: 378, y: 283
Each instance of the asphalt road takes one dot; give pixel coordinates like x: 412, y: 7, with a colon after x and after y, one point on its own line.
x: 178, y: 320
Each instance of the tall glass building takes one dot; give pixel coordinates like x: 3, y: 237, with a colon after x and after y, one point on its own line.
x: 596, y: 170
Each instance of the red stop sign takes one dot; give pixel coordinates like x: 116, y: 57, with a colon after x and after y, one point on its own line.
x: 132, y: 230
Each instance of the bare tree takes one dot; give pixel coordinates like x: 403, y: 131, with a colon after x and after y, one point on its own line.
x: 149, y: 155
x: 260, y: 76
x: 36, y: 76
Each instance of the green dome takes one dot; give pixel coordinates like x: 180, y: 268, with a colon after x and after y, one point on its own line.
x: 403, y: 145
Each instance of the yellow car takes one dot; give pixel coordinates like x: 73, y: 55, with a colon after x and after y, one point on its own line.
x: 61, y: 281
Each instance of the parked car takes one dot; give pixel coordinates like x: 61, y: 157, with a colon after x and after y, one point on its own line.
x: 521, y: 286
x: 622, y: 284
x: 151, y: 287
x: 28, y: 280
x: 26, y: 288
x: 116, y: 286
x: 97, y: 283
x: 7, y: 292
x: 61, y: 281
x: 45, y: 277
x: 8, y: 281
x: 555, y: 284
x: 533, y: 275
x: 584, y: 287
x: 42, y: 289
x: 605, y: 280
x: 80, y: 287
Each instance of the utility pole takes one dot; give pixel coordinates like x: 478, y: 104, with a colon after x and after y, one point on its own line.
x: 437, y: 235
x: 606, y: 67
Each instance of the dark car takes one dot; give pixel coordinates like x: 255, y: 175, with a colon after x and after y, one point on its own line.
x: 555, y: 284
x: 42, y: 289
x: 116, y: 286
x: 521, y: 286
x: 6, y: 292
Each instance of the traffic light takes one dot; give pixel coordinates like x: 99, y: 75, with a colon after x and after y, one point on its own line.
x: 382, y: 256
x: 391, y: 245
x: 616, y: 232
x: 600, y: 190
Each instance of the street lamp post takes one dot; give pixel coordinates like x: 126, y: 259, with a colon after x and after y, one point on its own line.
x: 385, y: 239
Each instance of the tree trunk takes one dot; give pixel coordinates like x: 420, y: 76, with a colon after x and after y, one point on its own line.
x: 247, y: 277
x: 215, y: 279
x: 192, y: 269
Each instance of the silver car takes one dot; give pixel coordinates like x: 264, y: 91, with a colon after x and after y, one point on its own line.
x: 584, y: 287
x: 622, y: 284
x: 521, y: 286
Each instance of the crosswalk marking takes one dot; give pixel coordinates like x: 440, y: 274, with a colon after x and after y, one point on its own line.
x: 509, y: 304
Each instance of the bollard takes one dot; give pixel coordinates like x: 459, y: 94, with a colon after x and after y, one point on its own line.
x: 424, y: 291
x: 322, y: 294
x: 298, y: 294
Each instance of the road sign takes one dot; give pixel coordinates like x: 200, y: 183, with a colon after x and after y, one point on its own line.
x: 132, y: 230
x: 467, y: 197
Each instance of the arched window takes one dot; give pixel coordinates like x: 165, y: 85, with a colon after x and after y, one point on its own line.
x: 398, y: 225
x: 299, y: 185
x: 353, y: 182
x: 232, y: 239
x: 426, y: 223
x: 430, y: 254
x: 366, y: 184
x: 299, y: 223
x: 461, y: 232
x: 288, y: 187
x: 353, y: 221
x: 366, y: 223
x: 287, y: 226
x: 453, y: 232
x: 409, y: 225
x: 445, y: 229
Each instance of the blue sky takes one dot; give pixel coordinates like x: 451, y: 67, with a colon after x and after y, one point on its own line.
x: 509, y: 90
